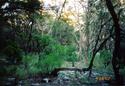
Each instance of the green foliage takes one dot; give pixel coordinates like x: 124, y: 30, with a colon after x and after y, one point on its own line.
x: 63, y: 32
x: 102, y: 59
x: 21, y: 72
x: 11, y: 69
x: 50, y: 62
x: 52, y: 56
x: 34, y: 64
x: 122, y: 71
x: 38, y: 52
x: 28, y: 66
x: 70, y: 53
x: 43, y: 41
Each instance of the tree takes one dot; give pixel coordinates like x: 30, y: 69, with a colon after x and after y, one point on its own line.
x: 116, y: 52
x: 15, y: 20
x: 100, y: 29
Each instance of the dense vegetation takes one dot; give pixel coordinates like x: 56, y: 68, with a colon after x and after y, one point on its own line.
x: 34, y: 42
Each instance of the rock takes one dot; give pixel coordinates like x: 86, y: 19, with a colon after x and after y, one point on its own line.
x: 66, y: 78
x: 35, y: 84
x: 20, y: 82
x: 11, y: 79
x: 46, y: 80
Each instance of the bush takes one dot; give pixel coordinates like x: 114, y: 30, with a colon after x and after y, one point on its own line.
x: 28, y: 66
x: 50, y: 58
x: 33, y: 64
x: 103, y: 59
x: 71, y: 54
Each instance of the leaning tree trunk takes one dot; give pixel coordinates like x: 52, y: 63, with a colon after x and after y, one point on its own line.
x: 116, y: 52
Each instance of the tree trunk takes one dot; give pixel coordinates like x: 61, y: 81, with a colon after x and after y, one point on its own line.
x: 116, y: 52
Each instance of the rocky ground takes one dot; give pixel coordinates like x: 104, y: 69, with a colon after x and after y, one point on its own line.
x: 65, y: 78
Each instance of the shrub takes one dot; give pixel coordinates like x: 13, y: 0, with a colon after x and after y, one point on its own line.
x: 50, y: 58
x: 102, y: 59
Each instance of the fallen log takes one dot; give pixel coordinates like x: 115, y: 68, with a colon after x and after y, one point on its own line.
x: 55, y: 71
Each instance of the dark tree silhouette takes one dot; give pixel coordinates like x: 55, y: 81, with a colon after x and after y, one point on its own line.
x: 116, y: 52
